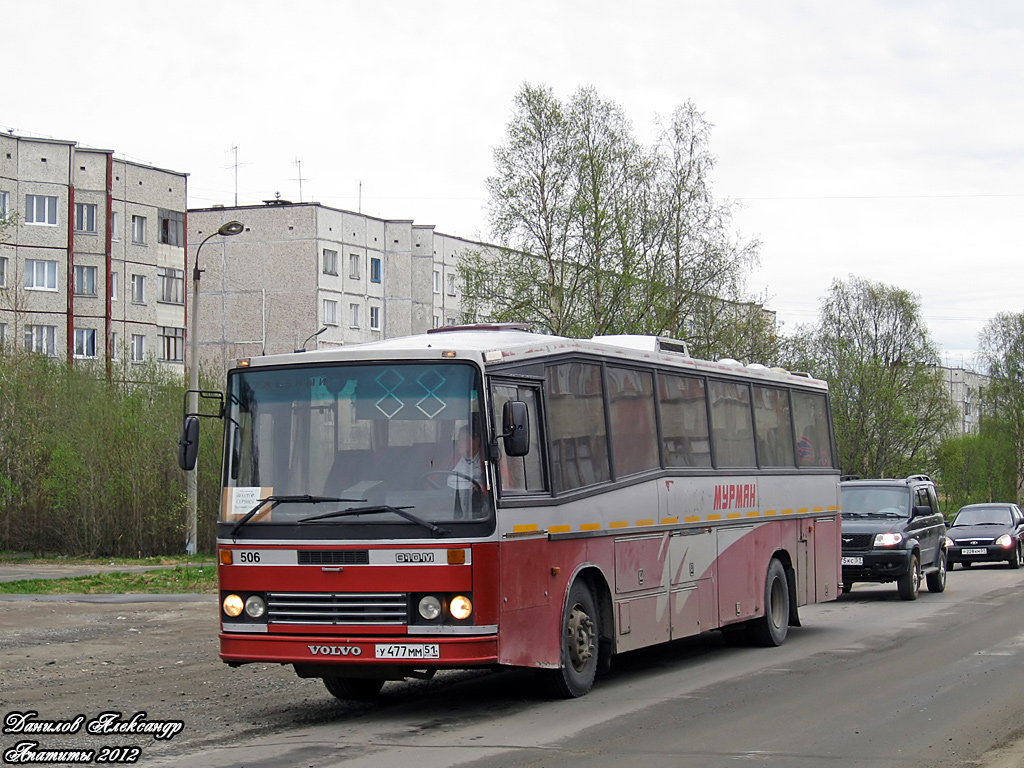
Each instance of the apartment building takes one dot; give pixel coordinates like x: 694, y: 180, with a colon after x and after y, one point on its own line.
x: 966, y: 390
x: 298, y: 268
x: 92, y: 261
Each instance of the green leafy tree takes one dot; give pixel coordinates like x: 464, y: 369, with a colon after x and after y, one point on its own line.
x: 599, y: 234
x: 978, y: 467
x: 1001, y: 348
x: 889, y: 406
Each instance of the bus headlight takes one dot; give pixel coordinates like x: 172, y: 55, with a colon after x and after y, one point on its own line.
x: 255, y: 606
x: 888, y: 539
x: 461, y: 607
x: 233, y: 606
x: 1005, y: 541
x: 430, y: 607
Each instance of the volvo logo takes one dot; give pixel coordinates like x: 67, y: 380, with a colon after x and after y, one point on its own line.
x: 335, y: 650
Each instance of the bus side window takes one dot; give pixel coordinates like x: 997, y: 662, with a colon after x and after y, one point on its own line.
x: 579, y: 445
x: 520, y: 474
x: 774, y: 427
x: 732, y: 430
x: 813, y: 447
x: 684, y: 421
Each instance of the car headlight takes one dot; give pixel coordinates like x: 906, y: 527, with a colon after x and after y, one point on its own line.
x: 255, y: 606
x: 233, y: 606
x: 461, y: 607
x: 950, y: 543
x: 888, y: 539
x: 430, y: 607
x: 1005, y: 541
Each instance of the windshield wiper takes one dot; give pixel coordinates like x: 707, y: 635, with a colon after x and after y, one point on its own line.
x: 400, y: 511
x: 885, y: 514
x: 275, y: 500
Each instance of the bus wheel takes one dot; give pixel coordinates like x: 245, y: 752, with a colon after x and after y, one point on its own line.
x: 580, y: 643
x: 771, y: 629
x: 353, y: 688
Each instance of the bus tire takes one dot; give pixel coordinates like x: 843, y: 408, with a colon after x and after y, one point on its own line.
x: 353, y: 688
x: 580, y: 646
x: 771, y: 629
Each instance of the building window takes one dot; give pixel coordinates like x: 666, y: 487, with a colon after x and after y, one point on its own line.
x: 5, y: 204
x: 138, y: 348
x: 41, y: 275
x: 42, y: 339
x: 353, y: 315
x: 437, y: 321
x: 85, y: 281
x: 113, y: 286
x: 353, y: 265
x: 115, y: 233
x: 437, y: 281
x: 172, y: 285
x: 85, y: 218
x: 172, y: 227
x: 3, y: 335
x: 85, y: 342
x: 138, y: 289
x: 330, y: 262
x: 374, y: 270
x: 172, y: 345
x: 40, y: 209
x: 451, y: 285
x: 330, y: 312
x: 113, y: 345
x: 139, y: 230
x: 3, y: 271
x: 374, y: 318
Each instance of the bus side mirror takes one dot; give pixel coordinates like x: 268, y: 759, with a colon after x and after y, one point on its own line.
x: 515, y: 422
x: 188, y: 443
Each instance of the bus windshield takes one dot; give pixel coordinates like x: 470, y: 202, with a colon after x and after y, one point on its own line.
x: 384, y: 443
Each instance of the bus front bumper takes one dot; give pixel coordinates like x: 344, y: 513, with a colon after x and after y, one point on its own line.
x: 419, y: 652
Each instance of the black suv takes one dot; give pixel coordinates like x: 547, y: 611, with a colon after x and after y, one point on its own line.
x: 893, y: 530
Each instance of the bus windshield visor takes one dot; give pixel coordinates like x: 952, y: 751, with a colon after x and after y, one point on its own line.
x: 390, y: 443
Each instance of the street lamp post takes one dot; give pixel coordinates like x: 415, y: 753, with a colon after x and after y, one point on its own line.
x: 229, y: 229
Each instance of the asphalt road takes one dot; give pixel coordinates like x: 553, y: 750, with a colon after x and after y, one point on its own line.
x: 869, y: 680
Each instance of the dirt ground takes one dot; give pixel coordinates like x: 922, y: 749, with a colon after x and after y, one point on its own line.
x: 61, y: 659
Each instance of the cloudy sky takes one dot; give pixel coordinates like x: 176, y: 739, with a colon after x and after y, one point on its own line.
x: 874, y: 138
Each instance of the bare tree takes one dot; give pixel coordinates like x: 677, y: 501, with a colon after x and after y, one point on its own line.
x: 599, y: 234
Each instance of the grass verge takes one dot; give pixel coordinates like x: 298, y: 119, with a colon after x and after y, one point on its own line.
x: 199, y: 579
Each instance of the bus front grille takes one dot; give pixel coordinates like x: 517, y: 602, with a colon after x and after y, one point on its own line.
x: 338, y: 608
x: 334, y: 557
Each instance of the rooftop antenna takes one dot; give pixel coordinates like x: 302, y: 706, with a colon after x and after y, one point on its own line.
x: 360, y: 209
x: 234, y: 166
x: 298, y: 163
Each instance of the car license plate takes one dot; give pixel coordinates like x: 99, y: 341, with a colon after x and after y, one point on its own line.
x: 853, y: 561
x: 980, y: 551
x: 407, y: 651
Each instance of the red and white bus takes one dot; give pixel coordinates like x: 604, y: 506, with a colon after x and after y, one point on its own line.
x: 486, y: 497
